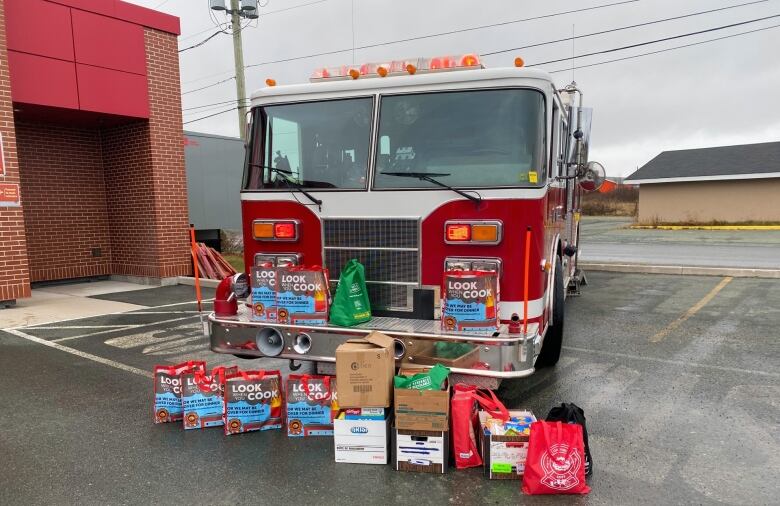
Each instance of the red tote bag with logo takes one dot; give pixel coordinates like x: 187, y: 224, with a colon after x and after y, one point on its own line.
x: 556, y: 460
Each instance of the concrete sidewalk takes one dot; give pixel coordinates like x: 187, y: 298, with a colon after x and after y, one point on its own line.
x: 68, y: 301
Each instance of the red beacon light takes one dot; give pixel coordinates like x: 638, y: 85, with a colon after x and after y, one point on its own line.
x: 285, y: 230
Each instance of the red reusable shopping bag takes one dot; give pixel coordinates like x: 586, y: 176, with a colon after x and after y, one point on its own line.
x: 464, y: 420
x: 556, y: 460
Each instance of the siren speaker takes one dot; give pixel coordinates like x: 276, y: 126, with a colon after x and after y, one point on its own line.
x: 270, y: 342
x: 302, y: 344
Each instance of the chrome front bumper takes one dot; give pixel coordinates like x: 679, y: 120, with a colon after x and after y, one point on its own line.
x: 501, y: 355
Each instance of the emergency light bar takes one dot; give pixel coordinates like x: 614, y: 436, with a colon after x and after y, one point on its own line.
x: 398, y: 67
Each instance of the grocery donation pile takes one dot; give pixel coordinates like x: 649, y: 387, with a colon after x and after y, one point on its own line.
x: 415, y: 420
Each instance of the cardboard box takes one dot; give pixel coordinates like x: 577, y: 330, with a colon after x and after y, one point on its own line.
x: 365, y: 369
x: 361, y: 441
x: 470, y: 301
x: 421, y: 409
x: 464, y: 361
x: 365, y: 413
x: 421, y: 451
x: 503, y: 456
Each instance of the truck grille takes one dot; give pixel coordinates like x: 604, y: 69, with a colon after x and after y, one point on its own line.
x: 387, y: 248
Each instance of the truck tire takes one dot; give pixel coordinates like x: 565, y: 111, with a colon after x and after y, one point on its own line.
x: 553, y: 340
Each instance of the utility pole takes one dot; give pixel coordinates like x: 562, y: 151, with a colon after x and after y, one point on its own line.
x: 238, y: 56
x: 239, y: 9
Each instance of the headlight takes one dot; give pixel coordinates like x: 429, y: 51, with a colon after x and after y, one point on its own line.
x: 473, y: 264
x: 277, y: 259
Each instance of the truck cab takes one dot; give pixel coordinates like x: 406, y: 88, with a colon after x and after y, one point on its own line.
x: 414, y: 168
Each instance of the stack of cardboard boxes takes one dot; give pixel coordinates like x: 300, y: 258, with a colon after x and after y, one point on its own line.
x: 364, y: 372
x: 421, y: 432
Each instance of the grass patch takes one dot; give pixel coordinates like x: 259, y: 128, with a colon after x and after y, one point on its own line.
x: 237, y: 261
x: 622, y: 201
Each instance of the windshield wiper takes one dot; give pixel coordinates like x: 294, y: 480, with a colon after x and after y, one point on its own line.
x: 292, y: 184
x: 429, y: 176
x: 272, y: 169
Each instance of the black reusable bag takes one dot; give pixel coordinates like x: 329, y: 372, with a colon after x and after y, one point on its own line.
x: 571, y: 413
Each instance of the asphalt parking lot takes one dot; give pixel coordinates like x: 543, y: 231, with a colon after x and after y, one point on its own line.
x: 679, y: 378
x: 610, y: 240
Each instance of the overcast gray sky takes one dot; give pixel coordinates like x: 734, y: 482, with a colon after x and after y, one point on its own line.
x: 719, y: 93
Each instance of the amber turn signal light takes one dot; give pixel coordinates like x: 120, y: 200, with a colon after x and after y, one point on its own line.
x: 484, y: 233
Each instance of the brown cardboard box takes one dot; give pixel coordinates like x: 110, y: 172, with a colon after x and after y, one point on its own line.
x: 421, y: 409
x: 364, y: 371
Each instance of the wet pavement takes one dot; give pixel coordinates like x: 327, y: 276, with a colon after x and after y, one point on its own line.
x: 679, y: 378
x: 609, y: 240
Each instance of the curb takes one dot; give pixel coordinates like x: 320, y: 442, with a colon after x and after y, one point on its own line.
x: 704, y: 227
x: 682, y: 270
x: 186, y: 280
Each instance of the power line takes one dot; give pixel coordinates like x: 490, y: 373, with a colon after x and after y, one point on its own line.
x: 182, y: 39
x: 202, y: 42
x: 673, y: 37
x: 665, y: 49
x: 451, y: 32
x: 205, y: 110
x: 692, y: 14
x: 440, y: 34
x: 208, y: 86
x: 209, y: 116
x: 215, y: 103
x: 293, y: 7
x: 561, y: 70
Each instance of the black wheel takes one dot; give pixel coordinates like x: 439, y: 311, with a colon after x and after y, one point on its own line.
x: 551, y: 349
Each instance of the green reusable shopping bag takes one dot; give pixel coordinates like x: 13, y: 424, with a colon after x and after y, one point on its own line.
x: 350, y: 305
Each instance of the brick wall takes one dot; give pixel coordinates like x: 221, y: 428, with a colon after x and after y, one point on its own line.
x: 14, y: 275
x: 121, y: 189
x: 145, y: 177
x: 167, y: 153
x: 65, y: 211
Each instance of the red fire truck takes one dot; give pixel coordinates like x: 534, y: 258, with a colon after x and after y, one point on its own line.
x: 417, y: 167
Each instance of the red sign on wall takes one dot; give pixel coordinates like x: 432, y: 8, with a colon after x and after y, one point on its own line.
x: 9, y: 195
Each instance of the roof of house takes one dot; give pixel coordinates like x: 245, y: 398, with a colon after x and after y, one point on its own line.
x: 744, y: 161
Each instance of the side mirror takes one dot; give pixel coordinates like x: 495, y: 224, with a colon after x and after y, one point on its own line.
x: 592, y: 177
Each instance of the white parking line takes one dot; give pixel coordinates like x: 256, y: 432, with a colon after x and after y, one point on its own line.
x: 78, y: 353
x: 60, y: 327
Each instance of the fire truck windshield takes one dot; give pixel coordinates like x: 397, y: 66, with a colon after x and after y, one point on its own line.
x: 478, y: 139
x: 323, y: 144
